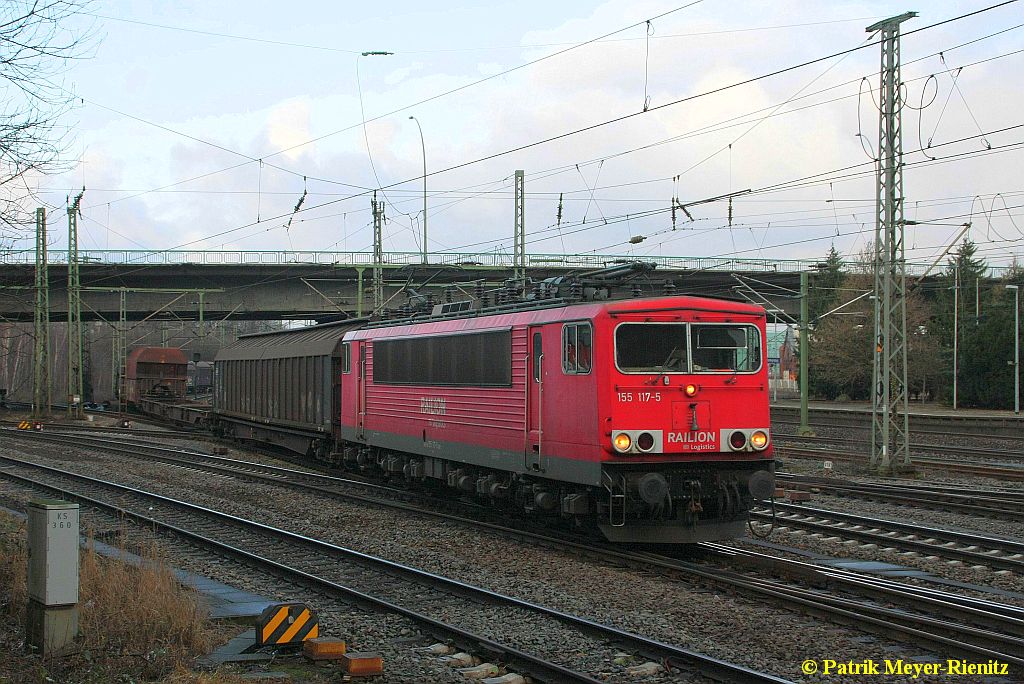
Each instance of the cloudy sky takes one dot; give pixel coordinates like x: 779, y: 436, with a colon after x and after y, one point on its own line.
x: 201, y: 125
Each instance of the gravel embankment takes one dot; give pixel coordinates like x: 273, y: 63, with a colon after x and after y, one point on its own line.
x: 690, y: 615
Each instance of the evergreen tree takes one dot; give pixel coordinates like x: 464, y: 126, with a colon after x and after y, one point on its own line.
x: 825, y: 284
x: 976, y: 315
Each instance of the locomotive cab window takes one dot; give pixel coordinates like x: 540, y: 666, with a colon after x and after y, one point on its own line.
x: 651, y: 347
x: 687, y: 348
x: 346, y: 357
x: 725, y: 348
x: 577, y: 348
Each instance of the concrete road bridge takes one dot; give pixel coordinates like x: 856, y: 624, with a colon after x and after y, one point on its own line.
x: 309, y: 285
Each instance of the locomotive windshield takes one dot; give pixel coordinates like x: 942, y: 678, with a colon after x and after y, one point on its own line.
x: 725, y: 348
x: 687, y: 348
x: 651, y: 347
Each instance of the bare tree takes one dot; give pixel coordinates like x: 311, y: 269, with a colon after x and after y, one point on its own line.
x: 38, y: 40
x: 840, y: 360
x: 843, y: 344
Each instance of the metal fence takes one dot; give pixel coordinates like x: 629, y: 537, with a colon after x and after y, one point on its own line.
x: 479, y: 259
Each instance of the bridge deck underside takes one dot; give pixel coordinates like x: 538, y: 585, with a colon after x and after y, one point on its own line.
x: 314, y: 292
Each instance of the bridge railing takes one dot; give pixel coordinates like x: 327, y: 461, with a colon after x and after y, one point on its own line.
x: 365, y: 259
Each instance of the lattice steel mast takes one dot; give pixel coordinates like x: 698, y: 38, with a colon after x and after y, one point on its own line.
x: 890, y: 445
x: 378, y: 254
x: 519, y: 236
x: 119, y: 349
x: 75, y: 383
x: 41, y: 355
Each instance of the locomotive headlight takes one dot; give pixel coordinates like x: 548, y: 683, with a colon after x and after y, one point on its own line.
x: 622, y: 442
x: 737, y: 440
x: 690, y: 390
x: 759, y: 440
x: 645, y: 441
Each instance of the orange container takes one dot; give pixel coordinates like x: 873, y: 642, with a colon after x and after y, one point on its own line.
x: 363, y: 664
x: 326, y: 648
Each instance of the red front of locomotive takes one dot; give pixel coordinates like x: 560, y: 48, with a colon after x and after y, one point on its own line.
x: 686, y: 429
x: 647, y: 418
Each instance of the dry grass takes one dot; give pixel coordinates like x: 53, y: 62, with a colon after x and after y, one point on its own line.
x: 136, y: 622
x: 140, y: 612
x: 13, y: 565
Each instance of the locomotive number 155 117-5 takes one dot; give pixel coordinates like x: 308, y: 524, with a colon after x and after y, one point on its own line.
x: 639, y: 397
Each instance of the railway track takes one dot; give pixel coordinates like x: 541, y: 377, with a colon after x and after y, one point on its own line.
x: 384, y: 585
x: 944, y: 543
x: 949, y: 433
x: 334, y: 486
x: 975, y: 549
x: 958, y: 467
x: 182, y: 433
x: 1006, y: 425
x: 1003, y: 504
x: 1001, y: 626
x: 967, y: 625
x: 984, y: 453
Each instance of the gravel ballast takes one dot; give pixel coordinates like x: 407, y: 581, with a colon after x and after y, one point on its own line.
x: 688, y: 615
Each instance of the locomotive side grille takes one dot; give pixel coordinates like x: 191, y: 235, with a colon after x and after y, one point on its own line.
x: 470, y: 359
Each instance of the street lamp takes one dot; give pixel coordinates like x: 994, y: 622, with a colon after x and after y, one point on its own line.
x: 423, y: 145
x: 1016, y: 347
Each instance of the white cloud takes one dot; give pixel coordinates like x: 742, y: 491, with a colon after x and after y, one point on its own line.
x: 288, y: 125
x: 489, y: 68
x: 399, y: 75
x: 581, y: 88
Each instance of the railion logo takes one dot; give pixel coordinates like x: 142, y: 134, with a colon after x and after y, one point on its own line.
x: 700, y: 437
x: 433, y: 406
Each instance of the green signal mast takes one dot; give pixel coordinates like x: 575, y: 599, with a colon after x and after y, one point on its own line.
x: 41, y: 399
x: 75, y: 383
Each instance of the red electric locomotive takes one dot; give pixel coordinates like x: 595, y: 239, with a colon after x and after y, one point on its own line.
x: 648, y: 417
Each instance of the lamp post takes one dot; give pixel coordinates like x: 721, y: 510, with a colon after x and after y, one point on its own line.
x: 1016, y: 347
x: 423, y: 145
x: 956, y: 328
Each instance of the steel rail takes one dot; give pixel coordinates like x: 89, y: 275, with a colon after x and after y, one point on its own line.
x: 305, y: 480
x: 1015, y: 495
x: 707, y: 665
x: 996, y: 496
x: 982, y: 431
x: 990, y: 614
x: 987, y: 503
x: 1007, y: 426
x: 965, y: 416
x: 941, y: 536
x: 956, y: 450
x: 109, y: 429
x: 941, y: 464
x: 901, y: 620
x: 263, y: 472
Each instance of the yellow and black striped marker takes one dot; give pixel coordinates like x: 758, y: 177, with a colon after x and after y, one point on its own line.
x: 24, y: 425
x: 286, y: 623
